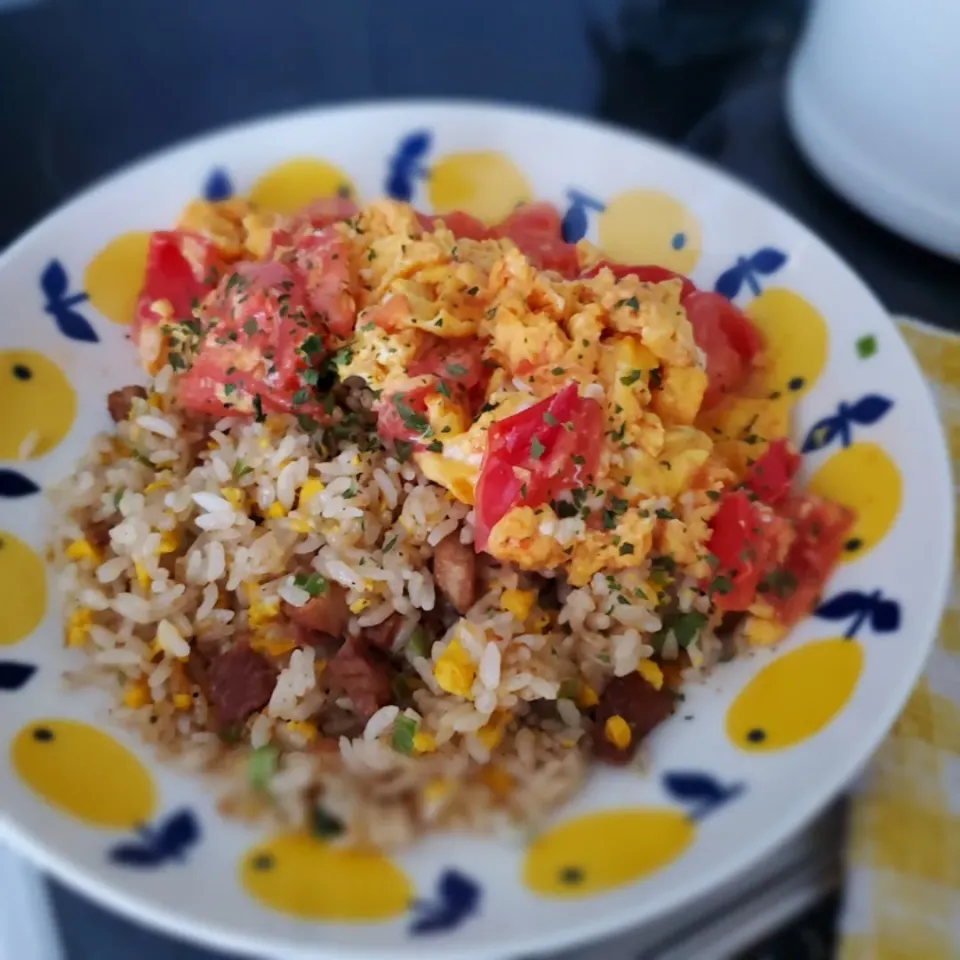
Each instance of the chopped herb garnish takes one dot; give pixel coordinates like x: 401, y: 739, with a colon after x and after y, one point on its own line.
x: 306, y: 423
x: 250, y: 327
x: 312, y: 583
x: 456, y: 369
x: 632, y: 302
x: 310, y: 378
x: 721, y: 585
x: 473, y: 291
x: 311, y: 345
x: 299, y: 397
x: 569, y: 690
x: 713, y: 494
x: 632, y: 377
x: 564, y: 509
x: 442, y: 388
x: 866, y: 346
x: 779, y: 582
x: 342, y: 357
x: 403, y: 450
x: 403, y: 730
x: 229, y: 388
x: 435, y: 446
x: 626, y: 549
x: 557, y: 371
x: 549, y: 418
x: 419, y: 643
x: 411, y: 420
x: 262, y: 765
x: 666, y: 514
x: 118, y: 496
x: 240, y: 469
x: 536, y: 448
x: 258, y: 409
x: 655, y: 379
x: 390, y: 544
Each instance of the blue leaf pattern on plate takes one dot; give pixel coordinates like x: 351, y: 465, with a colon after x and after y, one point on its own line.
x: 748, y: 270
x: 217, y: 186
x: 576, y: 223
x: 457, y: 899
x: 168, y: 842
x: 14, y: 484
x: 864, y: 412
x: 700, y: 792
x: 405, y: 166
x: 54, y: 284
x: 15, y: 675
x: 882, y: 615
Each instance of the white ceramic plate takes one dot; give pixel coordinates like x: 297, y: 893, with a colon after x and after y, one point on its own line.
x: 752, y: 754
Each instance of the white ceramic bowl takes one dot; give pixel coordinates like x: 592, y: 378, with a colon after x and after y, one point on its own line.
x: 714, y: 798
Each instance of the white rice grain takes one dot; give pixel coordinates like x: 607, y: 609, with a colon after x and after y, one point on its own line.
x: 171, y: 641
x: 381, y: 721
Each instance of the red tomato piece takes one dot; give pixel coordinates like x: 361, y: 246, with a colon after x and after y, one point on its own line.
x: 648, y: 274
x: 402, y: 415
x: 728, y: 339
x: 461, y: 225
x: 821, y: 528
x: 737, y: 541
x: 536, y: 229
x: 537, y: 454
x: 259, y: 342
x: 181, y: 268
x: 322, y: 260
x: 457, y: 362
x: 770, y: 476
x: 325, y: 211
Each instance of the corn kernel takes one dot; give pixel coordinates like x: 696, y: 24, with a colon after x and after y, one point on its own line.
x: 83, y: 550
x: 276, y: 510
x: 617, y: 731
x: 587, y: 697
x: 250, y: 590
x: 182, y: 701
x: 262, y: 612
x: 491, y: 733
x: 155, y: 401
x: 156, y: 485
x: 436, y: 790
x: 540, y: 622
x: 311, y: 487
x: 136, y: 695
x: 760, y: 633
x: 651, y: 673
x: 454, y: 671
x: 303, y: 729
x: 424, y: 742
x: 143, y: 577
x: 169, y: 541
x: 273, y: 646
x: 518, y: 602
x: 358, y: 606
x: 301, y: 525
x: 234, y: 496
x: 497, y: 780
x: 78, y: 624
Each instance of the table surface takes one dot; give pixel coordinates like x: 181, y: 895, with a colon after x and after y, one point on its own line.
x: 92, y: 84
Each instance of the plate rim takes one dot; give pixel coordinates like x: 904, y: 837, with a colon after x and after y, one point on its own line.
x: 137, y: 906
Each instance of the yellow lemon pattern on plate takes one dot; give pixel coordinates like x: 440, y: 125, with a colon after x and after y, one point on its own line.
x: 84, y: 773
x: 113, y: 278
x: 796, y: 695
x: 485, y: 184
x: 863, y: 478
x: 796, y: 337
x: 38, y: 404
x: 642, y: 227
x: 289, y: 186
x: 304, y: 877
x: 600, y: 851
x: 23, y: 589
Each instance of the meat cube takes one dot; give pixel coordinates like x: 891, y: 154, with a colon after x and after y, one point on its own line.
x: 455, y: 570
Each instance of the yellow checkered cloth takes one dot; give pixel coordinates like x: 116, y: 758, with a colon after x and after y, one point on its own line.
x: 902, y: 890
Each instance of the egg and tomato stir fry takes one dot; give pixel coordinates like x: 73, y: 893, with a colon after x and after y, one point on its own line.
x: 598, y: 417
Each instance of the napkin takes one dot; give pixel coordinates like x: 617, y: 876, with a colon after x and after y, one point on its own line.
x: 902, y: 889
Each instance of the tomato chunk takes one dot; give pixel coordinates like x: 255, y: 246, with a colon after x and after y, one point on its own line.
x: 181, y: 268
x: 536, y: 229
x: 821, y: 527
x: 537, y: 454
x: 770, y: 476
x: 460, y: 224
x: 260, y: 347
x: 402, y: 415
x: 321, y: 262
x: 741, y: 549
x: 728, y: 339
